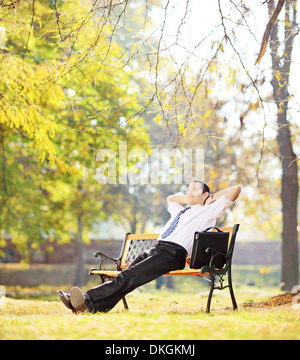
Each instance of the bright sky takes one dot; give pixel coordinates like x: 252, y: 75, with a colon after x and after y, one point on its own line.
x: 204, y: 21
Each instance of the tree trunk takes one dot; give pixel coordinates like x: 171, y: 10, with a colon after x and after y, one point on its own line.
x: 281, y: 67
x: 289, y: 198
x: 80, y: 278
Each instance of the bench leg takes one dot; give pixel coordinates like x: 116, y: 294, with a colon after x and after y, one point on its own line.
x: 212, y: 287
x: 125, y: 303
x: 124, y: 299
x: 234, y: 304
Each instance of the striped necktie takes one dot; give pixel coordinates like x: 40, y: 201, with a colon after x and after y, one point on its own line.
x: 172, y: 227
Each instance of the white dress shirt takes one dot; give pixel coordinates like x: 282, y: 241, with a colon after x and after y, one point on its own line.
x: 197, y: 218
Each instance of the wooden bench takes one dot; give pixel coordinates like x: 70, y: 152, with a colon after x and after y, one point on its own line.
x: 135, y: 244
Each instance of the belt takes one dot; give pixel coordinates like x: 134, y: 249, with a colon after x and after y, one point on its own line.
x: 173, y: 246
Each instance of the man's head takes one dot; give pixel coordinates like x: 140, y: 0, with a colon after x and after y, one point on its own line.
x: 197, y: 193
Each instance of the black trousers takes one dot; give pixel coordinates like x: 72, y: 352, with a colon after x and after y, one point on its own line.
x: 150, y: 265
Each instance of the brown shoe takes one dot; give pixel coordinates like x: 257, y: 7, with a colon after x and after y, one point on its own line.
x: 65, y: 298
x: 77, y: 300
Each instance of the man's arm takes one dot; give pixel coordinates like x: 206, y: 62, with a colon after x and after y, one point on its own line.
x: 181, y: 199
x: 232, y: 193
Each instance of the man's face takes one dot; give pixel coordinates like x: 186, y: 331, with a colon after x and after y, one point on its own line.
x: 194, y: 194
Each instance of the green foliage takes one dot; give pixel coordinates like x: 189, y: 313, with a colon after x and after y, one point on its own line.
x: 26, y: 105
x: 63, y: 97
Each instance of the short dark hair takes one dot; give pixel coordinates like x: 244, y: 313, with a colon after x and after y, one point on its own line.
x: 205, y: 187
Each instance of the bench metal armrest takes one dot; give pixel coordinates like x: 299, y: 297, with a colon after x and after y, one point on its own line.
x: 215, y: 253
x: 105, y: 258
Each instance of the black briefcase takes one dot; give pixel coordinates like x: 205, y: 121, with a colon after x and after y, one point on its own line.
x: 202, y: 240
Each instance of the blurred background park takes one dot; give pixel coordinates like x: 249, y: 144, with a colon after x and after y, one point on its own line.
x: 81, y: 76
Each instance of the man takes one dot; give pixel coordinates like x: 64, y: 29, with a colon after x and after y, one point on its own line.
x: 174, y: 244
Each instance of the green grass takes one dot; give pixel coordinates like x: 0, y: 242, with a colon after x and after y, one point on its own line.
x: 153, y: 315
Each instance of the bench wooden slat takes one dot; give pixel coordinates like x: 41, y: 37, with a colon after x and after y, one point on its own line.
x: 184, y: 272
x: 142, y: 236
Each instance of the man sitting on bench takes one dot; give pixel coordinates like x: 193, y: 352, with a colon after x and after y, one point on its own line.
x: 173, y: 245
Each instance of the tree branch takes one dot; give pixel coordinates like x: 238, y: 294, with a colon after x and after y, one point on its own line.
x: 268, y: 30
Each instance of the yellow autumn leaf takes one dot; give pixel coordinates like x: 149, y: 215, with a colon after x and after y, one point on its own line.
x: 25, y: 96
x: 158, y: 119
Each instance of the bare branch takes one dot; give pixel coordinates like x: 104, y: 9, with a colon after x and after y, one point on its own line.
x: 268, y: 30
x: 11, y: 4
x: 31, y: 27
